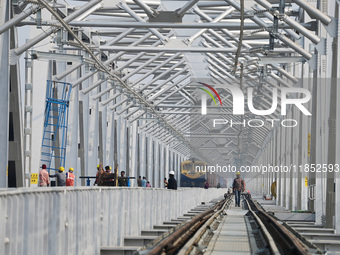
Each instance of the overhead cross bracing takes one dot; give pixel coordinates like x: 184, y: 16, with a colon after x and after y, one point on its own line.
x: 148, y: 57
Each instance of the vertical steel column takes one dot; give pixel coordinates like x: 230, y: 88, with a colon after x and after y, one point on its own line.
x: 167, y: 161
x: 100, y: 138
x: 319, y: 179
x: 134, y: 151
x: 149, y: 159
x: 127, y: 155
x: 81, y: 149
x: 28, y: 109
x: 161, y: 164
x: 332, y: 132
x: 282, y: 162
x: 282, y: 6
x: 278, y: 162
x: 122, y: 144
x: 157, y: 182
x: 142, y: 141
x: 337, y: 175
x: 4, y: 95
x: 295, y: 160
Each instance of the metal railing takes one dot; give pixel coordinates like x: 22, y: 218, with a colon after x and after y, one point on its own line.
x: 80, y: 220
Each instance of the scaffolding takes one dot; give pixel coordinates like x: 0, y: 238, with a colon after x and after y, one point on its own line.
x: 53, y: 147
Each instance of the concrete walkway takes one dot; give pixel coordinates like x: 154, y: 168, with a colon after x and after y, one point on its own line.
x: 231, y: 237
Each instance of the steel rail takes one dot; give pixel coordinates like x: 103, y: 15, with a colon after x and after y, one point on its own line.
x: 272, y: 246
x: 283, y: 239
x: 195, y: 239
x: 181, y: 235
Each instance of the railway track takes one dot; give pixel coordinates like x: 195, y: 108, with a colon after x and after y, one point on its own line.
x: 194, y: 236
x: 285, y: 242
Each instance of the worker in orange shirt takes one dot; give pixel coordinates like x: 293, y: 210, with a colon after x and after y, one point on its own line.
x: 70, y: 177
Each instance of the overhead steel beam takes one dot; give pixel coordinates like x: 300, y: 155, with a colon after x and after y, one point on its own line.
x: 130, y: 113
x: 67, y: 72
x: 313, y: 12
x: 95, y: 97
x: 125, y: 108
x: 15, y: 20
x: 18, y: 51
x: 145, y: 7
x: 166, y: 81
x: 173, y: 92
x: 135, y: 43
x: 280, y: 60
x: 96, y: 84
x: 162, y: 74
x: 153, y: 70
x: 161, y: 92
x: 217, y: 19
x: 83, y: 78
x: 180, y: 12
x: 281, y: 37
x: 294, y: 24
x: 126, y: 77
x: 105, y: 102
x: 141, y: 21
x: 154, y: 25
x: 129, y: 90
x: 56, y: 56
x: 167, y: 49
x: 206, y: 17
x: 113, y: 107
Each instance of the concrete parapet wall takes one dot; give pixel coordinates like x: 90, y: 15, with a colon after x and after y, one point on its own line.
x: 81, y: 220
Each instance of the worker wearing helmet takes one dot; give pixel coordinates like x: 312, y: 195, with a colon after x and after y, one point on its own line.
x: 108, y: 169
x: 70, y: 177
x: 172, y: 183
x: 96, y: 181
x: 238, y: 187
x: 106, y: 181
x: 60, y: 176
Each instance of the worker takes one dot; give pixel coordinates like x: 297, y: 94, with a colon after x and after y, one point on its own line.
x: 238, y: 187
x: 108, y: 169
x: 122, y: 180
x: 105, y: 178
x: 44, y: 179
x: 172, y: 183
x: 218, y: 185
x: 139, y: 181
x: 70, y: 177
x: 96, y: 181
x: 165, y: 183
x: 206, y: 184
x: 61, y: 177
x: 144, y: 182
x: 106, y: 181
x: 148, y: 185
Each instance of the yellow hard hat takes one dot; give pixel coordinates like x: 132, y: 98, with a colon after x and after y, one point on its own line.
x: 71, y: 169
x: 238, y: 173
x: 97, y: 166
x: 61, y: 169
x: 110, y: 168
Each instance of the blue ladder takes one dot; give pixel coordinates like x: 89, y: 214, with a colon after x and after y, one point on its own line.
x: 53, y: 148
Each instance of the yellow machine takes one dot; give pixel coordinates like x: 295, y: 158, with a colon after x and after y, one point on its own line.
x: 193, y: 173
